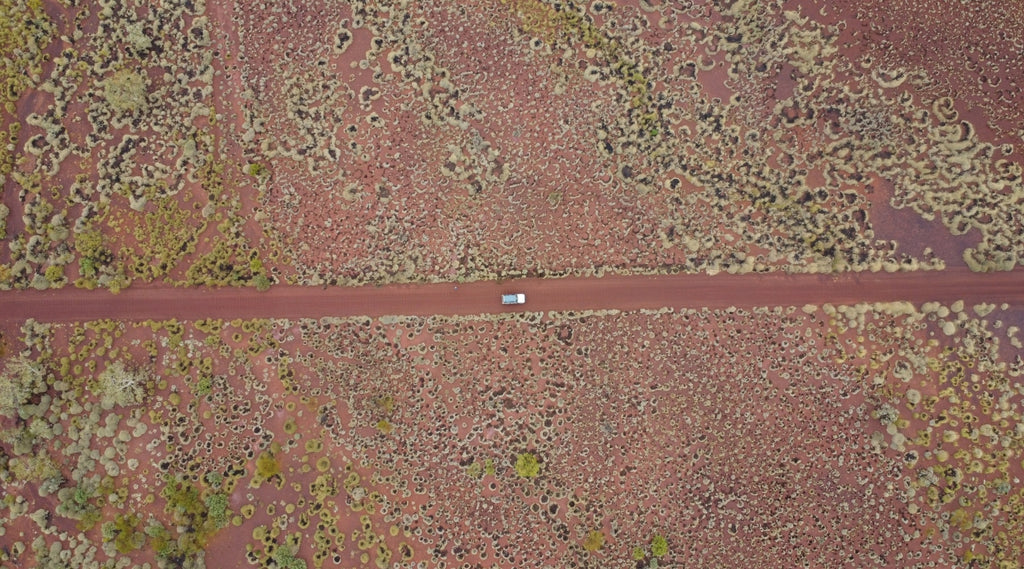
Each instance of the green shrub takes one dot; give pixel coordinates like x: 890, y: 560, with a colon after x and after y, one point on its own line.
x: 183, y: 500
x: 125, y: 90
x: 217, y: 509
x: 527, y: 465
x: 594, y: 541
x: 76, y: 503
x: 267, y: 466
x: 284, y: 557
x: 204, y: 385
x: 258, y: 170
x: 124, y: 532
x: 261, y: 282
x: 659, y: 547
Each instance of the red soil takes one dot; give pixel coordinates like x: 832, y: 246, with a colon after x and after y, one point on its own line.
x: 610, y: 292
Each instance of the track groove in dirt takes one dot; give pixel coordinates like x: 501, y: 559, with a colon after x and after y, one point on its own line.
x: 611, y: 292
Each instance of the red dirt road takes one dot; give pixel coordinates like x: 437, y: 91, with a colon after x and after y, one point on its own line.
x: 612, y: 292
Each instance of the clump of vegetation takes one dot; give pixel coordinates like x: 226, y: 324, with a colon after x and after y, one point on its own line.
x: 4, y: 212
x: 261, y: 282
x: 229, y: 263
x: 217, y: 509
x: 165, y: 235
x: 268, y: 467
x: 78, y: 503
x: 123, y: 386
x: 285, y: 554
x: 125, y: 533
x: 183, y: 500
x: 571, y: 26
x: 594, y: 541
x: 204, y: 385
x: 125, y: 91
x: 21, y: 381
x: 198, y: 515
x: 527, y: 465
x: 887, y: 414
x: 659, y: 546
x: 26, y: 32
x: 96, y: 262
x: 258, y: 170
x: 478, y: 469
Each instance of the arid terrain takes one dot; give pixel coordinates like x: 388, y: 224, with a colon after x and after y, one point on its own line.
x: 251, y: 253
x: 228, y: 143
x: 878, y: 435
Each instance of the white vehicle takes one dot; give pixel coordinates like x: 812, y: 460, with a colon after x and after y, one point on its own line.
x: 518, y: 298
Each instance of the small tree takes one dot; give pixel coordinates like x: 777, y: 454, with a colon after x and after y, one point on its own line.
x: 118, y: 385
x: 21, y: 380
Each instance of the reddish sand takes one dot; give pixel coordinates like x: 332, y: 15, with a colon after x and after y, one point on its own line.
x: 612, y: 292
